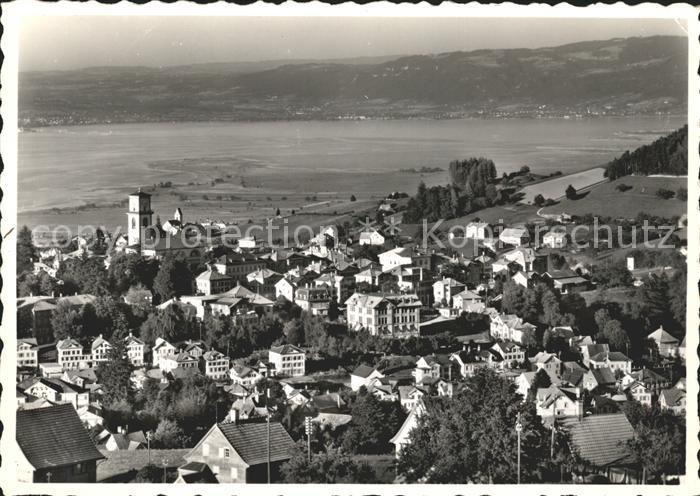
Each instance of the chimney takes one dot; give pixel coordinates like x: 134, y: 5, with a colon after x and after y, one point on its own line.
x: 234, y: 416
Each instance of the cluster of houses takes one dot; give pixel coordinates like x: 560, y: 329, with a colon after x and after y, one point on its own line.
x: 404, y: 293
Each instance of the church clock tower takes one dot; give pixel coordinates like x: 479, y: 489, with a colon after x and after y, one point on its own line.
x: 139, y: 216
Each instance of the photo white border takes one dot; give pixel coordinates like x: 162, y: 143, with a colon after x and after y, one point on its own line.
x: 11, y: 17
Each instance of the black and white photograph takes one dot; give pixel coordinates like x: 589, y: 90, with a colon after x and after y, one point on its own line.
x: 371, y: 245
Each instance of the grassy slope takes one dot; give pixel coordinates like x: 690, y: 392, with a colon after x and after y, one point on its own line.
x: 606, y: 200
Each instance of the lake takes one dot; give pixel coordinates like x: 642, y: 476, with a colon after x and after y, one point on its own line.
x: 70, y: 166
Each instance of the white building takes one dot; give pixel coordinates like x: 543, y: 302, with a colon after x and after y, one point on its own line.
x: 515, y: 236
x: 70, y: 354
x: 135, y: 350
x: 446, y: 289
x: 554, y: 239
x: 288, y: 360
x: 395, y: 258
x: 386, y: 314
x: 162, y: 350
x: 372, y: 238
x: 27, y: 352
x: 212, y: 282
x: 100, y: 349
x: 216, y: 365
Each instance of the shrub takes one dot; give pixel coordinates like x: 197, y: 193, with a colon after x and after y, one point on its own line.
x: 623, y: 187
x: 665, y: 193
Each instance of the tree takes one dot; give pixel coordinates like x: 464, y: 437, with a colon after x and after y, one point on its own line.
x: 616, y: 336
x: 114, y: 374
x: 129, y: 270
x: 478, y: 426
x: 540, y: 381
x: 539, y: 200
x: 149, y: 473
x: 294, y: 332
x: 26, y: 252
x: 110, y: 318
x: 168, y: 435
x: 664, y: 193
x: 169, y: 323
x: 86, y: 275
x: 659, y: 439
x: 66, y: 321
x: 174, y: 279
x: 36, y: 284
x: 352, y: 198
x: 332, y: 467
x: 571, y: 192
x: 374, y: 423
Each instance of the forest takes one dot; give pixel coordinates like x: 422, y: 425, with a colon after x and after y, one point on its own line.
x: 666, y: 155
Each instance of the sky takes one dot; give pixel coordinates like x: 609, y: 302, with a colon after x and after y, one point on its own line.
x: 70, y: 42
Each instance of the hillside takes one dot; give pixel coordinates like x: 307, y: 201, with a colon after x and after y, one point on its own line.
x: 666, y: 155
x: 619, y: 76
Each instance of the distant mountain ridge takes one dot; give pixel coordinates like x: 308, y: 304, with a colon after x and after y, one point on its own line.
x: 618, y: 76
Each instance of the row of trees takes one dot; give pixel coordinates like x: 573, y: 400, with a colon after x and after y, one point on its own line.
x: 472, y: 187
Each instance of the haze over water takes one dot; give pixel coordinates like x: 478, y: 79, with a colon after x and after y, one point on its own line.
x: 69, y: 166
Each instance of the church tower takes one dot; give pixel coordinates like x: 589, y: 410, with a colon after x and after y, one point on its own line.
x: 139, y: 216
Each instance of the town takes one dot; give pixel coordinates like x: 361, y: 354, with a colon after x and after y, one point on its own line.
x: 366, y: 353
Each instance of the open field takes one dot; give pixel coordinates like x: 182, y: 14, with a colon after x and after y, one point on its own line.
x: 605, y: 199
x: 555, y: 188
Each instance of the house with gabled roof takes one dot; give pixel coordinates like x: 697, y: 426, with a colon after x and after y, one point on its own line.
x: 436, y: 366
x: 362, y: 375
x: 588, y: 350
x: 100, y: 349
x: 652, y: 380
x: 515, y: 236
x: 216, y: 364
x: 70, y: 354
x: 555, y: 402
x: 600, y: 441
x: 548, y: 362
x: 135, y: 350
x: 665, y: 342
x: 615, y: 360
x: 640, y: 393
x: 239, y: 453
x: 509, y: 327
x: 509, y: 352
x: 27, y: 352
x: 245, y: 376
x: 673, y: 399
x: 402, y: 437
x: 71, y: 456
x: 211, y: 281
x: 161, y: 350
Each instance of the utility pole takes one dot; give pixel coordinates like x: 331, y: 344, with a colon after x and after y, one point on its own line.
x: 518, y: 430
x: 165, y: 466
x: 148, y: 441
x: 308, y: 427
x: 267, y: 407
